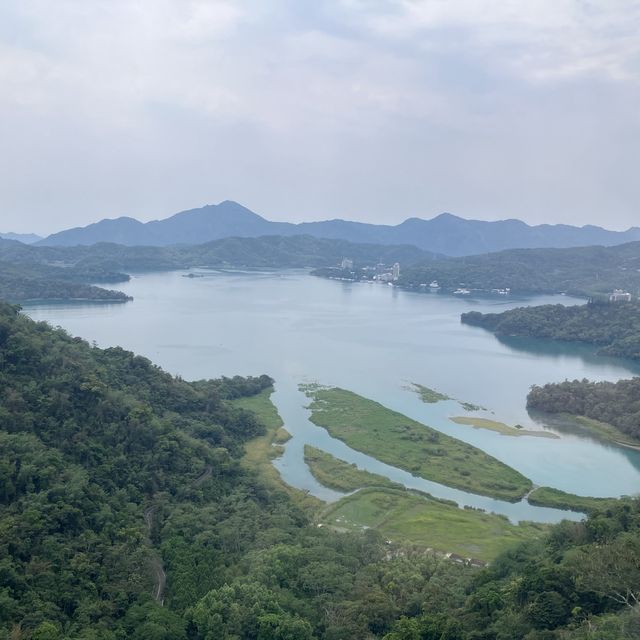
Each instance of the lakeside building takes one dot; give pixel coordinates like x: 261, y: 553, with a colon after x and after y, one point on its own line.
x: 395, y: 270
x: 619, y: 295
x: 346, y: 263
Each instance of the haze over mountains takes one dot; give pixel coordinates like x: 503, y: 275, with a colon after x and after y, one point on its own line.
x: 26, y: 238
x: 446, y: 234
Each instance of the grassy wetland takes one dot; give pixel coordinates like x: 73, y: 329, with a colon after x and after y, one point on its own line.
x: 397, y: 440
x: 408, y: 517
x: 340, y: 475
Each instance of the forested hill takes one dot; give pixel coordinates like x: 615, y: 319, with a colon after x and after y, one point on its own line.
x: 616, y: 403
x: 31, y: 272
x: 20, y: 282
x: 126, y: 515
x: 589, y: 271
x: 90, y: 439
x: 613, y: 327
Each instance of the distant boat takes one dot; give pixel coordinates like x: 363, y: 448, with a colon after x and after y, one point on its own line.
x: 434, y: 285
x: 462, y: 292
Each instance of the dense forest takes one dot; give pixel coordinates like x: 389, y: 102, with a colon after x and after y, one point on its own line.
x: 613, y: 327
x: 586, y: 271
x: 616, y: 403
x: 125, y: 513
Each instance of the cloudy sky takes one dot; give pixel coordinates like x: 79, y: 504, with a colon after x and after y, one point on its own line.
x: 371, y: 110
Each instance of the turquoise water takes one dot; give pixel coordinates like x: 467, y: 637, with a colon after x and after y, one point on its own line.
x: 374, y: 340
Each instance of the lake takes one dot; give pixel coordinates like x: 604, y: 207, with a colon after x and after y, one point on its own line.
x: 374, y: 340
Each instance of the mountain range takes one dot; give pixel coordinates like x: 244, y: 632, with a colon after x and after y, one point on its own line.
x: 445, y: 234
x: 25, y: 238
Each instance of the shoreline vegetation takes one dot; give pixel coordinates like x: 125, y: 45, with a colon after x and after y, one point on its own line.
x: 607, y: 431
x: 501, y: 427
x: 341, y: 475
x: 549, y: 497
x: 262, y: 450
x: 397, y: 440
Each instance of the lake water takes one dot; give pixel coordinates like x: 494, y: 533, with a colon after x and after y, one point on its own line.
x: 374, y: 340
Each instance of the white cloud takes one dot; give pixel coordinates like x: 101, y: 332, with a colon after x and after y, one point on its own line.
x: 344, y: 107
x: 540, y: 39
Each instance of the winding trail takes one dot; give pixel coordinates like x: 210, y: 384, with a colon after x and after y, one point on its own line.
x: 157, y: 566
x: 203, y: 476
x: 159, y: 574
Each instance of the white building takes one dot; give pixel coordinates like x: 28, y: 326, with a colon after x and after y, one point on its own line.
x: 619, y: 295
x: 346, y: 263
x: 395, y: 270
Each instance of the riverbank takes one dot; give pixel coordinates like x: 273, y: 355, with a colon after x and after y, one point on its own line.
x: 397, y: 440
x: 606, y: 430
x: 261, y: 451
x: 549, y: 497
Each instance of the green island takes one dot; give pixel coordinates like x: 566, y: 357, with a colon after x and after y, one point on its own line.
x: 549, y: 497
x: 340, y: 475
x: 500, y: 427
x: 397, y: 440
x: 431, y: 396
x: 409, y: 517
x: 428, y: 395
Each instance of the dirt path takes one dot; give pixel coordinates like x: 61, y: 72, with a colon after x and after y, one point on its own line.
x: 203, y: 476
x: 157, y: 566
x: 159, y: 574
x: 160, y: 579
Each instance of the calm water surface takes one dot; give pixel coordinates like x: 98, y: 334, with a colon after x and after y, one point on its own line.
x: 374, y: 340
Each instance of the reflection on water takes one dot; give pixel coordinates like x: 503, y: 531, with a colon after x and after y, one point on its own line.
x: 373, y: 340
x: 560, y: 349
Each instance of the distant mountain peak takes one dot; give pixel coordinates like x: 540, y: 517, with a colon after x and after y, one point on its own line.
x: 445, y: 215
x: 446, y: 233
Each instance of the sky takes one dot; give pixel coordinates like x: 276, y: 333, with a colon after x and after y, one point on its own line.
x: 368, y: 110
